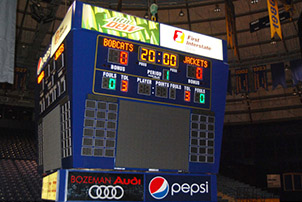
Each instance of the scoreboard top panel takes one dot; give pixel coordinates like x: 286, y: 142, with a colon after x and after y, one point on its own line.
x: 85, y: 16
x: 143, y: 30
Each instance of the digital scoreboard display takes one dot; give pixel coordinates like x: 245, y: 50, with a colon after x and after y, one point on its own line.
x: 127, y: 102
x: 140, y: 72
x: 122, y: 94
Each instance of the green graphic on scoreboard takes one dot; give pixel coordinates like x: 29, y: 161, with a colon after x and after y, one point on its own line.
x: 120, y: 24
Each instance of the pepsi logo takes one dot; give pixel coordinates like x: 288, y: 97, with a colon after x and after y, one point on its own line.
x: 158, y: 187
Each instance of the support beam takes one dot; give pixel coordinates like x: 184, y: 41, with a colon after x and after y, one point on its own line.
x: 266, y: 59
x: 264, y: 110
x: 188, y: 16
x: 41, y: 32
x: 119, y: 6
x: 266, y: 97
x: 22, y: 22
x: 142, y: 6
x: 223, y: 18
x: 249, y: 107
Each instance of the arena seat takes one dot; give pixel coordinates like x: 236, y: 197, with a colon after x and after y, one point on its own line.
x: 19, y: 177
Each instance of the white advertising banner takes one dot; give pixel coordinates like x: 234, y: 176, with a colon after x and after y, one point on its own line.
x: 7, y: 40
x: 190, y: 42
x: 61, y: 32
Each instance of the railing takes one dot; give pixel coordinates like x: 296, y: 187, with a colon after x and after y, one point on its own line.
x: 250, y: 194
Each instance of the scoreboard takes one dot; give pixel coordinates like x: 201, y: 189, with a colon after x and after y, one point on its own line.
x: 114, y: 96
x: 140, y: 72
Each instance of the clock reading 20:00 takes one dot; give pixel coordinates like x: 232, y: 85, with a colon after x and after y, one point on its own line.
x: 158, y: 57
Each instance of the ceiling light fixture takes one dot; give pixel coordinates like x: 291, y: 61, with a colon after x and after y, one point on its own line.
x: 254, y: 1
x: 286, y: 67
x: 294, y: 92
x: 217, y: 8
x: 181, y: 13
x: 146, y: 15
x: 40, y: 14
x: 273, y: 41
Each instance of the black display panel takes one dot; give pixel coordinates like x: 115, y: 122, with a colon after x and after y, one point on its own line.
x: 152, y: 136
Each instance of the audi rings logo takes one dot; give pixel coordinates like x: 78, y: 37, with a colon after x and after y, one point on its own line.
x: 106, y: 192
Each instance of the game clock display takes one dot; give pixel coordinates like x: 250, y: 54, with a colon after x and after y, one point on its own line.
x: 154, y: 56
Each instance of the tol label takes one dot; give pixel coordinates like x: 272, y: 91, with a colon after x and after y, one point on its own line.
x: 124, y: 77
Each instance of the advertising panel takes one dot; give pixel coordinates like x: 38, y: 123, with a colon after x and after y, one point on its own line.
x: 88, y: 186
x: 190, y: 42
x: 120, y: 24
x: 43, y: 60
x: 49, y: 187
x: 61, y: 32
x: 178, y: 188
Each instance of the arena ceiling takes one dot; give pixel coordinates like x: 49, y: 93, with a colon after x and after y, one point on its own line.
x: 32, y: 36
x: 37, y: 20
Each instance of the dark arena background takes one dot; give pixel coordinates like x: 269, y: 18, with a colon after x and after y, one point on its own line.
x: 98, y: 108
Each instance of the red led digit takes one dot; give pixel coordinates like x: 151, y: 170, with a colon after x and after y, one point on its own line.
x: 199, y: 73
x: 124, y: 86
x: 187, y: 96
x: 124, y: 58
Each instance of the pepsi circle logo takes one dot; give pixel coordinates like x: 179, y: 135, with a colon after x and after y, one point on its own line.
x: 158, y: 187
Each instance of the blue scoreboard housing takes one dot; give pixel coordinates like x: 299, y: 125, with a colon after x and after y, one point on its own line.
x: 115, y: 103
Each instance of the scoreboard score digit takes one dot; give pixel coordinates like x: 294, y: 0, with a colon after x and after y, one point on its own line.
x: 118, y: 56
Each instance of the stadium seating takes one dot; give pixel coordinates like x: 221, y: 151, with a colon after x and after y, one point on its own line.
x: 19, y: 179
x: 17, y: 144
x: 233, y: 190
